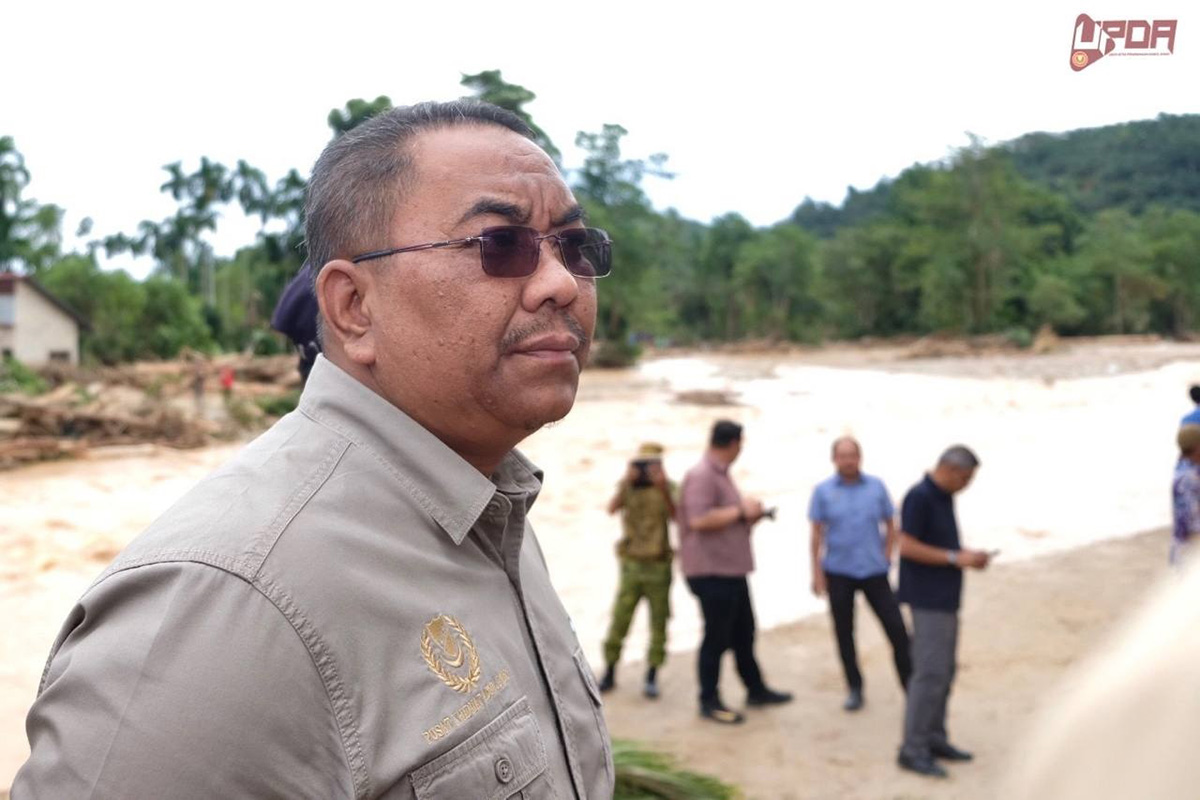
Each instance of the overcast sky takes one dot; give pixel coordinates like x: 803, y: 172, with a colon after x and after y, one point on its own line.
x: 757, y: 104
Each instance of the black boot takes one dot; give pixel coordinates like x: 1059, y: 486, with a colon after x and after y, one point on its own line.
x: 609, y: 681
x: 650, y: 689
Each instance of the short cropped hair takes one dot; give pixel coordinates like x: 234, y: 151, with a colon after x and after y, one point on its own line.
x: 724, y: 433
x: 1194, y: 393
x: 357, y: 182
x: 959, y: 456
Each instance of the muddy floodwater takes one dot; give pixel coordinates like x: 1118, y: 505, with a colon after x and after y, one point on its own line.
x: 1076, y: 447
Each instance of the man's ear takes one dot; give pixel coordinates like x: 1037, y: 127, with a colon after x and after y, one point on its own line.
x: 344, y: 294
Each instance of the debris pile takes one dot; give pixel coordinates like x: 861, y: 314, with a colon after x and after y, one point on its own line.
x: 184, y: 403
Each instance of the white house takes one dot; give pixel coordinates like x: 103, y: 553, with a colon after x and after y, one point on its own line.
x: 35, y: 327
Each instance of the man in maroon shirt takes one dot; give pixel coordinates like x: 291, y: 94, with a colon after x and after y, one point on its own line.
x: 715, y: 555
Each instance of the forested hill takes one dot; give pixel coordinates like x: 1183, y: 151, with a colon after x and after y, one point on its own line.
x: 1128, y: 166
x: 1132, y: 165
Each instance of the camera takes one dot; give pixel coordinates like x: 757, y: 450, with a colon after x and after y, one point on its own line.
x: 642, y: 480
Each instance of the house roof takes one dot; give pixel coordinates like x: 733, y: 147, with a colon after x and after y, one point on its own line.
x: 9, y: 280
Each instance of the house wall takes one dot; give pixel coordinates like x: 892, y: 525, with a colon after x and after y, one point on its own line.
x: 41, y: 328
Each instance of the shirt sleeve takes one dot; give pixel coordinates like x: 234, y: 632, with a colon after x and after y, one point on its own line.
x: 914, y: 516
x: 699, y: 495
x: 181, y: 680
x: 816, y: 506
x: 885, y: 501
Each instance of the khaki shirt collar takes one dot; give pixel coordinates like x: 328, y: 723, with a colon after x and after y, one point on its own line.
x: 450, y: 490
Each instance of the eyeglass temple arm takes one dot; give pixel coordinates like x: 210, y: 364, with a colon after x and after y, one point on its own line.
x: 393, y: 251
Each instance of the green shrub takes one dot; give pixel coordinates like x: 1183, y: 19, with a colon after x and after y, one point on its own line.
x: 1021, y: 337
x: 266, y: 343
x: 278, y: 406
x: 16, y: 377
x: 614, y: 354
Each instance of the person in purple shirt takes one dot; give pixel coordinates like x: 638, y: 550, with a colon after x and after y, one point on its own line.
x: 714, y: 553
x: 850, y: 554
x: 1185, y: 493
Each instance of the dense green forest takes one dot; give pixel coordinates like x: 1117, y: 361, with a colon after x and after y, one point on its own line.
x: 1092, y: 231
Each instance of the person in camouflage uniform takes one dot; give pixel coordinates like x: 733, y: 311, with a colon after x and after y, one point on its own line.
x: 644, y: 499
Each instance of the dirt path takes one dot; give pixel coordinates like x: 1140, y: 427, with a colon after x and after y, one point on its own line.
x: 1023, y: 626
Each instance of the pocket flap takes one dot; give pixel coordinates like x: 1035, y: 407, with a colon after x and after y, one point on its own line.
x: 498, y: 761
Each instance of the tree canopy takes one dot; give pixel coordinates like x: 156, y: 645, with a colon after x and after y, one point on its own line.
x: 1091, y: 231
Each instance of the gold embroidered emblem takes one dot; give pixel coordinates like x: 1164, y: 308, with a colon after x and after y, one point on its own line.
x: 447, y: 650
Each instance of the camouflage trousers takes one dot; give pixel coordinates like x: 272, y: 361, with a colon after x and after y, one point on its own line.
x: 649, y: 579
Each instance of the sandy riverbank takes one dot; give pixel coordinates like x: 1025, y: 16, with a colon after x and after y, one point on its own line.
x: 1023, y: 627
x: 1076, y: 449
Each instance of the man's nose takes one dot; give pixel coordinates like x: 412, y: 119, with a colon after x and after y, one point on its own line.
x: 551, y: 280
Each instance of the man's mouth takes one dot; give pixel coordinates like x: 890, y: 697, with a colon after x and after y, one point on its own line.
x: 550, y: 346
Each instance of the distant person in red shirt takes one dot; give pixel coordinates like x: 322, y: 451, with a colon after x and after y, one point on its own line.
x: 227, y: 381
x: 715, y: 555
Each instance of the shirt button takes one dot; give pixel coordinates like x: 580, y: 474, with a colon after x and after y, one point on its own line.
x: 504, y: 770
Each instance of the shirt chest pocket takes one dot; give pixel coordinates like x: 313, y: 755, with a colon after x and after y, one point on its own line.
x: 506, y: 759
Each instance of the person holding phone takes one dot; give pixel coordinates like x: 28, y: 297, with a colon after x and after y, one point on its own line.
x: 644, y: 499
x: 715, y: 554
x: 932, y: 561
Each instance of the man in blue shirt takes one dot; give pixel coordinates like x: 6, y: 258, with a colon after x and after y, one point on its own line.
x: 1192, y: 417
x: 850, y: 555
x: 931, y: 565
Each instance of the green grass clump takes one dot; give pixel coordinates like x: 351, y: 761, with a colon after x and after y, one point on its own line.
x: 646, y: 775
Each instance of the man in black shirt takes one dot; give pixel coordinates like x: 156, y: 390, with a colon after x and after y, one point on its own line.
x: 931, y: 565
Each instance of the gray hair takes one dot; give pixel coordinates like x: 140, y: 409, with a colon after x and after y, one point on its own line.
x: 357, y: 182
x: 959, y: 456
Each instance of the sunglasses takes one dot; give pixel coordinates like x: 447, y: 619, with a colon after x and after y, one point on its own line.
x: 513, y: 251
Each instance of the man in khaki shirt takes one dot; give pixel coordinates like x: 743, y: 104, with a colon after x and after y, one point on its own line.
x: 356, y: 606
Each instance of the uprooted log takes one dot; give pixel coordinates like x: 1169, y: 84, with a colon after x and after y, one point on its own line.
x: 95, y: 426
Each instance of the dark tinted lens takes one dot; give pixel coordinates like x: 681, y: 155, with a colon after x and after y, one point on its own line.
x: 509, y: 251
x: 587, y: 251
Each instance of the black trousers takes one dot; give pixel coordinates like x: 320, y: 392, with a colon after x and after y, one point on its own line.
x: 728, y: 624
x: 883, y: 602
